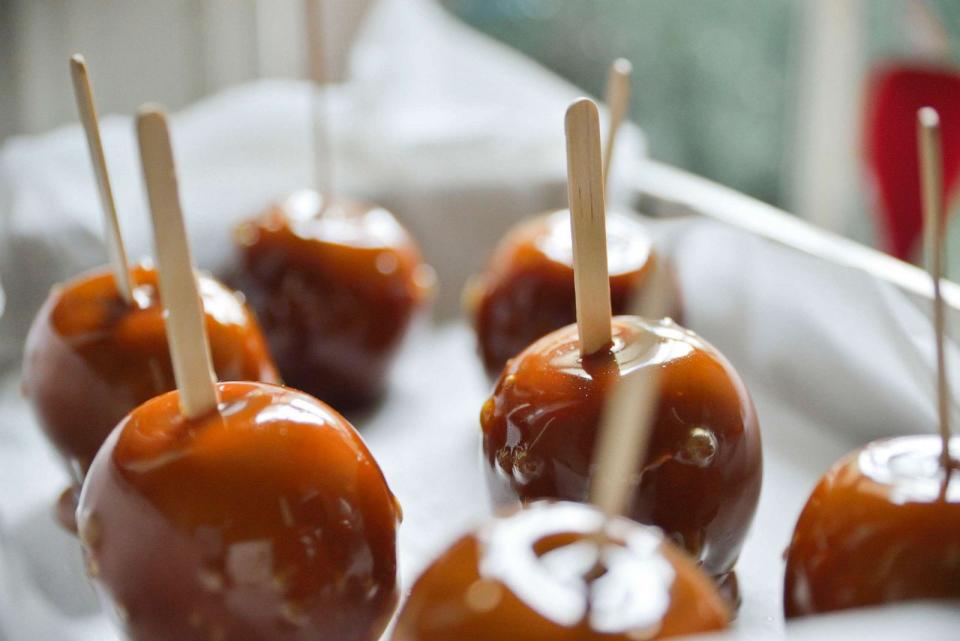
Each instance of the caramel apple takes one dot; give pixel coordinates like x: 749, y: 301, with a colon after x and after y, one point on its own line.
x: 700, y: 480
x: 335, y: 287
x: 883, y: 525
x: 536, y: 575
x: 240, y: 510
x: 91, y: 357
x: 266, y: 518
x: 527, y: 288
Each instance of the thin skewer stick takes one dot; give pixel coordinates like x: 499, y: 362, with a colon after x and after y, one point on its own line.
x: 318, y: 67
x: 624, y: 436
x: 623, y: 439
x: 931, y: 177
x: 627, y: 417
x: 186, y: 329
x: 618, y: 101
x: 588, y: 226
x: 83, y: 91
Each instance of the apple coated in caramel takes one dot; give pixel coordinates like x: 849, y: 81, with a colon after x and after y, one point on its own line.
x: 91, y: 358
x: 881, y: 526
x: 265, y: 520
x: 526, y: 290
x: 700, y: 482
x: 335, y: 291
x: 535, y: 576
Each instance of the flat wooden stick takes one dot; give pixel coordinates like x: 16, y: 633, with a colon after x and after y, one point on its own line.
x: 655, y: 298
x: 627, y: 417
x: 588, y: 226
x: 186, y: 329
x: 623, y: 440
x: 931, y: 178
x: 317, y: 64
x: 83, y: 92
x: 618, y: 101
x: 318, y: 67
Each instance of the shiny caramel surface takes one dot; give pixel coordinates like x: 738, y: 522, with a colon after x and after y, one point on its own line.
x: 335, y: 293
x: 526, y: 290
x: 700, y: 481
x: 90, y: 358
x: 266, y: 520
x: 880, y: 527
x: 533, y: 576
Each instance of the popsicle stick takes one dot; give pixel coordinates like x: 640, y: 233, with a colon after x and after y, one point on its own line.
x: 83, y: 92
x: 186, y: 330
x: 931, y: 178
x: 627, y: 418
x: 618, y: 101
x: 318, y: 67
x: 588, y: 226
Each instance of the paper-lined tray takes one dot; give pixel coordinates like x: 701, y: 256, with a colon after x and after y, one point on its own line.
x: 831, y: 328
x: 426, y: 437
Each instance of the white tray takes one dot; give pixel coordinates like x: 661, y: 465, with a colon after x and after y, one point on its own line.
x: 426, y: 437
x: 831, y: 338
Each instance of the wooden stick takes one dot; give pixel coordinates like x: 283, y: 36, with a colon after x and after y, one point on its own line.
x: 618, y: 101
x: 318, y: 67
x: 931, y: 178
x: 186, y: 329
x: 588, y: 226
x: 623, y: 440
x: 83, y: 92
x: 627, y: 417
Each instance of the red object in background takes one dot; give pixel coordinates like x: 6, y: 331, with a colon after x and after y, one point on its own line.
x: 894, y: 95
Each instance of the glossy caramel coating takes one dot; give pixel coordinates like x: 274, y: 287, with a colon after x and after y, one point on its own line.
x: 335, y: 293
x: 527, y: 291
x: 701, y: 479
x: 90, y: 358
x: 525, y: 576
x: 880, y: 527
x: 266, y: 520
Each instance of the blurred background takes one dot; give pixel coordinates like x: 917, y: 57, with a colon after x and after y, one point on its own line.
x: 778, y: 98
